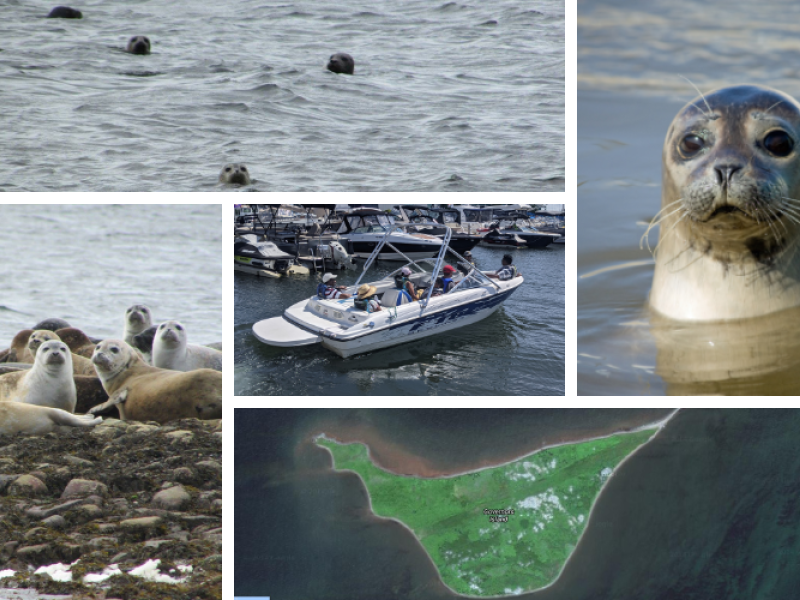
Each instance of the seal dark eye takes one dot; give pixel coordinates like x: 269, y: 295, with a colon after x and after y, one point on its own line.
x: 114, y: 349
x: 778, y: 143
x: 178, y: 327
x: 227, y: 169
x: 244, y: 168
x: 691, y: 145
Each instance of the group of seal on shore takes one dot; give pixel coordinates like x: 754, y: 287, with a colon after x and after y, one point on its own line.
x: 48, y: 377
x: 730, y: 210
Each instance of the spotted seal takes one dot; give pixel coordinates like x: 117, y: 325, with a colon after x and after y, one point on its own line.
x: 730, y: 211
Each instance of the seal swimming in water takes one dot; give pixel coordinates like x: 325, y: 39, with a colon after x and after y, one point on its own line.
x: 235, y: 173
x: 730, y: 223
x: 30, y: 419
x: 171, y: 350
x: 145, y: 393
x: 48, y: 383
x: 64, y: 12
x: 341, y: 62
x: 138, y: 44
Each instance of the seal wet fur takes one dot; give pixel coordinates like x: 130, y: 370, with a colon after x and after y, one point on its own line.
x: 48, y: 383
x: 730, y: 212
x: 341, y: 62
x: 145, y: 393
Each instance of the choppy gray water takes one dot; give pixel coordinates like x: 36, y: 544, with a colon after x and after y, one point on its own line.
x: 632, y: 60
x: 519, y: 350
x: 452, y: 96
x: 88, y: 263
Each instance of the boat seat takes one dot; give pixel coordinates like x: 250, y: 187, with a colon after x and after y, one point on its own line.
x: 393, y: 297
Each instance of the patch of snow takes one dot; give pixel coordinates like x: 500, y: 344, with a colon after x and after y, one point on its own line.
x: 552, y: 464
x: 6, y: 573
x: 57, y: 572
x: 606, y: 473
x: 580, y: 518
x: 109, y: 571
x: 149, y: 571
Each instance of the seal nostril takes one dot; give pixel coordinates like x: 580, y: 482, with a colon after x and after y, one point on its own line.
x: 725, y: 172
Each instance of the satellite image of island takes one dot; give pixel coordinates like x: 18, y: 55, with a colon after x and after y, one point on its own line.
x: 545, y: 504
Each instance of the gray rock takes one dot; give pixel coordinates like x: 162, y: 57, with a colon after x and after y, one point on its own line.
x: 78, y: 488
x: 28, y: 486
x: 140, y: 523
x: 174, y: 498
x: 55, y: 522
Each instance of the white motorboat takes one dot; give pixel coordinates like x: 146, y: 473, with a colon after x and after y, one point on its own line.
x: 263, y: 259
x: 362, y: 231
x: 346, y: 330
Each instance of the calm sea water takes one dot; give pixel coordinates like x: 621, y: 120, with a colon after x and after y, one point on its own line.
x: 450, y: 96
x: 88, y: 263
x: 519, y: 350
x: 634, y: 59
x: 706, y: 510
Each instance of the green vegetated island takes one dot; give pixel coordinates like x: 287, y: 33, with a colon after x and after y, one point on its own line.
x: 501, y: 530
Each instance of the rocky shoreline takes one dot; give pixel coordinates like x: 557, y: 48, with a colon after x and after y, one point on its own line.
x: 124, y: 510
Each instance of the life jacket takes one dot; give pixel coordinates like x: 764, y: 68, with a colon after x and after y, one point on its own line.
x: 446, y: 283
x: 400, y: 282
x: 363, y: 303
x: 321, y: 291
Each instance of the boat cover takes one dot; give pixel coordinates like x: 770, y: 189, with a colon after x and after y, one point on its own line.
x: 279, y: 332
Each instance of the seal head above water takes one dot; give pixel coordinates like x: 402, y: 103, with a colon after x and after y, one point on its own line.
x: 341, y: 62
x: 139, y: 44
x: 235, y: 173
x: 730, y: 209
x: 64, y: 12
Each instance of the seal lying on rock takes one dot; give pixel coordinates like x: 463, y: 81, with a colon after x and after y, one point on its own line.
x: 80, y: 365
x: 48, y: 383
x: 145, y: 393
x: 172, y: 351
x: 18, y: 351
x: 137, y: 319
x: 16, y: 417
x: 79, y: 343
x: 730, y: 198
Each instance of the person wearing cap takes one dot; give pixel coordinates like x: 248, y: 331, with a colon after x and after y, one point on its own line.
x: 328, y: 289
x: 401, y: 282
x: 507, y: 271
x: 366, y: 299
x: 465, y: 266
x: 447, y: 278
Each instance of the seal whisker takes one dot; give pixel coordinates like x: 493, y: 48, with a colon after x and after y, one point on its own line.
x: 670, y: 230
x: 710, y: 112
x: 654, y: 222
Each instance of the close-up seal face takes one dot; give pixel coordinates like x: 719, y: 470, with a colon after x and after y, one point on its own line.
x: 730, y: 204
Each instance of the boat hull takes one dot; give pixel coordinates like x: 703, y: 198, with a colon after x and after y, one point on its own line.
x: 420, y: 324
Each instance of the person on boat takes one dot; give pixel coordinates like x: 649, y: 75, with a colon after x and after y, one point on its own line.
x: 507, y: 271
x: 328, y: 290
x: 447, y: 278
x: 401, y: 282
x: 366, y: 299
x: 465, y: 266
